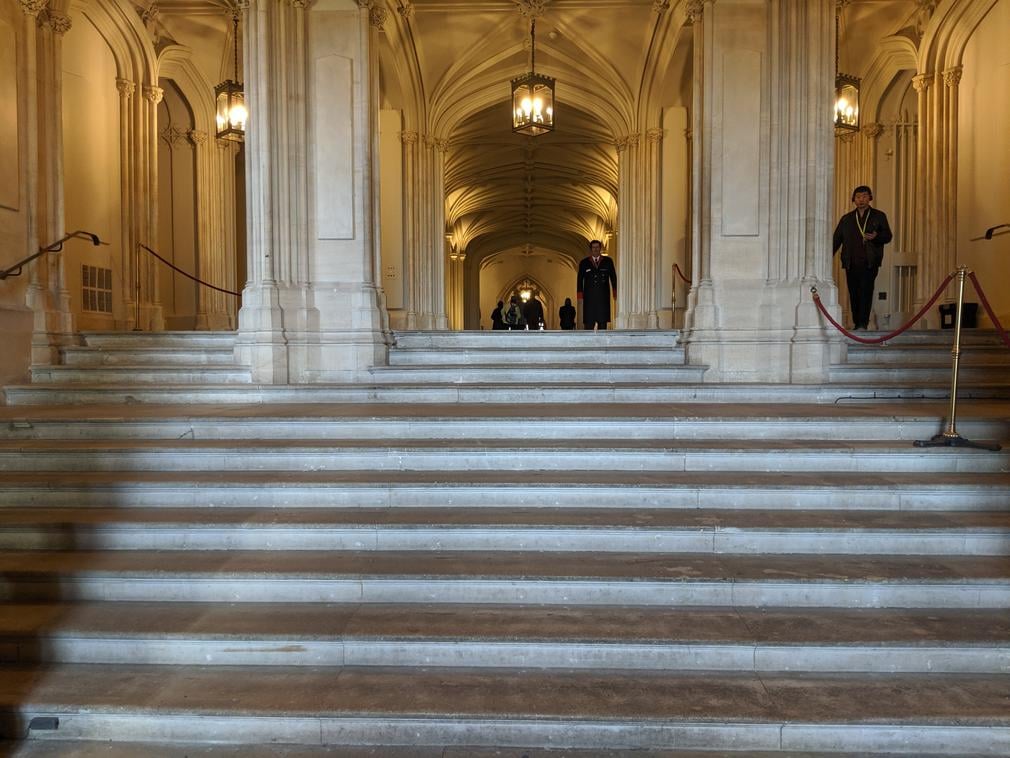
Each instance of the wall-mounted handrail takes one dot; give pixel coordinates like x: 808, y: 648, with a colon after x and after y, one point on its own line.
x: 54, y: 247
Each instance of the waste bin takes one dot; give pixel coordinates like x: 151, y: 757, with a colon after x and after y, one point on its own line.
x: 969, y: 315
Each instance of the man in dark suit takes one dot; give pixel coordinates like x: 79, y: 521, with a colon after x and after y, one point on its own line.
x: 566, y: 315
x: 861, y: 234
x: 597, y: 275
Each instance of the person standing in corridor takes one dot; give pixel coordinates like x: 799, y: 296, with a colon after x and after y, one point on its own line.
x: 861, y: 234
x: 597, y: 275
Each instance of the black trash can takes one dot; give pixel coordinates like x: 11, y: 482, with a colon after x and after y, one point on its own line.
x: 969, y: 315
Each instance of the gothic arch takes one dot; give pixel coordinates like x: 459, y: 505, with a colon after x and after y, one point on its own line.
x: 948, y: 32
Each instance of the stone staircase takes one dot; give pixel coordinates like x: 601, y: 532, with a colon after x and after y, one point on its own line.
x: 549, y: 564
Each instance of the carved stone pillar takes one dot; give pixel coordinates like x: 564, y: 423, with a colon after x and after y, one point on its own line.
x: 411, y: 226
x: 762, y: 166
x: 311, y: 309
x: 47, y: 293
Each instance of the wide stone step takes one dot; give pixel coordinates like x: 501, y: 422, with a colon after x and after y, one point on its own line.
x: 131, y: 340
x: 595, y: 392
x: 938, y: 338
x: 143, y: 374
x: 445, y: 706
x: 538, y: 340
x: 148, y: 356
x: 473, y: 489
x: 835, y: 581
x: 508, y: 529
x: 536, y: 375
x: 873, y: 373
x: 527, y: 355
x: 681, y: 639
x: 506, y: 454
x: 891, y: 355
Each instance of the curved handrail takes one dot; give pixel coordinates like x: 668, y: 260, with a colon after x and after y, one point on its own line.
x: 53, y: 247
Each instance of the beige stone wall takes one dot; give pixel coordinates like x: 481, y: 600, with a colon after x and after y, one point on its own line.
x: 554, y: 273
x: 983, y: 196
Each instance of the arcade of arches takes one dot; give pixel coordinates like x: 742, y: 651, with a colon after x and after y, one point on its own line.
x: 380, y: 187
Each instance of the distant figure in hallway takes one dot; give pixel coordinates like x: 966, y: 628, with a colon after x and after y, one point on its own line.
x: 533, y: 312
x: 498, y: 317
x: 566, y: 315
x: 861, y: 234
x: 597, y: 275
x: 514, y: 319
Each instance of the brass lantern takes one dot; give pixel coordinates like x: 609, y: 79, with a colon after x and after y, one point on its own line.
x: 533, y: 97
x: 846, y: 103
x: 232, y: 113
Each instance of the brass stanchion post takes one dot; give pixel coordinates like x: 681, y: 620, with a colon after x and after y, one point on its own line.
x: 950, y: 437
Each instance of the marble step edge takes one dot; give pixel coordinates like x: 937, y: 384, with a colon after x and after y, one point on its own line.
x: 434, y: 393
x: 514, y: 730
x: 164, y: 585
x: 250, y: 649
x: 898, y: 492
x: 858, y: 461
x: 734, y: 541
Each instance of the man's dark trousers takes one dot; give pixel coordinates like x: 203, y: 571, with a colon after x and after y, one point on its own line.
x: 861, y: 281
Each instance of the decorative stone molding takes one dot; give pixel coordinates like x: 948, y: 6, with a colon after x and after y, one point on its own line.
x: 175, y: 136
x: 621, y: 143
x: 153, y: 94
x: 377, y: 17
x: 872, y: 131
x: 55, y: 21
x: 364, y: 4
x: 126, y: 88
x: 198, y: 137
x: 33, y: 7
x: 695, y: 10
x: 634, y: 139
x: 921, y: 82
x: 299, y: 4
x: 846, y: 137
x: 531, y: 8
x: 442, y: 145
x: 952, y: 76
x: 660, y: 6
x: 149, y: 14
x: 408, y: 138
x: 406, y: 9
x: 655, y: 134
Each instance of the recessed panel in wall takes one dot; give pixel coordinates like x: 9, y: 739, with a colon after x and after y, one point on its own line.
x: 741, y: 143
x: 334, y: 138
x: 10, y: 180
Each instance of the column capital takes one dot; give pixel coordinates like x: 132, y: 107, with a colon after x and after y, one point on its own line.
x: 655, y: 134
x: 125, y: 87
x: 952, y: 76
x: 406, y: 9
x: 408, y: 138
x: 621, y: 143
x: 695, y: 10
x: 198, y: 136
x: 531, y: 8
x: 660, y: 6
x: 364, y: 4
x: 153, y: 94
x: 33, y: 7
x: 377, y: 17
x: 872, y: 131
x: 55, y: 21
x: 921, y: 82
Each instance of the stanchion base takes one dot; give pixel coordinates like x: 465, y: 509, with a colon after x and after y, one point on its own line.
x: 956, y: 440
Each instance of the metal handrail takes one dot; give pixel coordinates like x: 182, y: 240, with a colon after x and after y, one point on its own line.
x: 54, y: 247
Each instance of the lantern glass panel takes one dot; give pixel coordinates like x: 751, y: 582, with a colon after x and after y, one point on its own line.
x: 231, y: 111
x: 533, y: 104
x: 847, y: 103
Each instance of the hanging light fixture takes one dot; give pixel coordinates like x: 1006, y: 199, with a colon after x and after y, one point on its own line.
x: 846, y: 91
x: 533, y: 97
x: 231, y: 110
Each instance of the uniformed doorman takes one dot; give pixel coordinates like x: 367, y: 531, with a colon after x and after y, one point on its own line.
x: 597, y: 275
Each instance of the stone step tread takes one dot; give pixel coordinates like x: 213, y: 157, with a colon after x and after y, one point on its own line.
x: 496, y: 446
x: 609, y: 696
x: 50, y: 748
x: 545, y: 517
x: 786, y: 481
x: 518, y: 566
x: 826, y: 627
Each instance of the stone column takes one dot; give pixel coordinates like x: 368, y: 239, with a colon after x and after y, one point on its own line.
x: 652, y: 299
x: 311, y: 308
x: 411, y: 236
x: 455, y: 287
x: 763, y: 181
x: 47, y: 293
x: 937, y: 170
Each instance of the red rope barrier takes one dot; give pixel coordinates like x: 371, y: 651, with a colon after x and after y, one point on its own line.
x: 988, y: 309
x: 678, y: 272
x: 886, y: 337
x: 188, y: 275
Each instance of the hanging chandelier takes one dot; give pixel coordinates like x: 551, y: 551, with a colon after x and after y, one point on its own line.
x: 846, y: 92
x: 230, y: 97
x: 533, y: 97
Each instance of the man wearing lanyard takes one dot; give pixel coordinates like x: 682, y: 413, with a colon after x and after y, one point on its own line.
x: 861, y: 234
